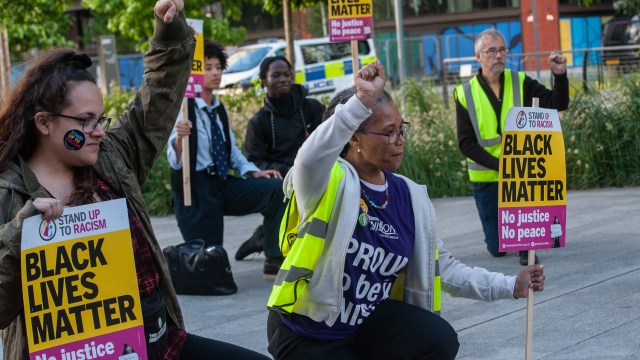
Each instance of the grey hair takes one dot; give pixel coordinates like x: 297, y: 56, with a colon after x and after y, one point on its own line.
x: 343, y: 96
x: 488, y: 33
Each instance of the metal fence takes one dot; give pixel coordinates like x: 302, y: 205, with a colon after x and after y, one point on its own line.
x: 447, y: 62
x: 588, y: 69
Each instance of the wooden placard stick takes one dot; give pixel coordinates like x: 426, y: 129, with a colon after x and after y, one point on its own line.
x: 532, y: 260
x: 355, y: 54
x: 186, y: 165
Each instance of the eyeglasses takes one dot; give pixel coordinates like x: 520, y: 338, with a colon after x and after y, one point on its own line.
x: 493, y: 51
x: 393, y: 136
x: 89, y: 125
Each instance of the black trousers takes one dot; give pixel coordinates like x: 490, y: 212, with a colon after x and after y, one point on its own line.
x: 486, y: 197
x: 197, y: 347
x: 395, y: 330
x: 212, y: 198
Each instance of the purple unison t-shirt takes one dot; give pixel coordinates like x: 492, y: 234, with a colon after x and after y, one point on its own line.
x: 379, y: 248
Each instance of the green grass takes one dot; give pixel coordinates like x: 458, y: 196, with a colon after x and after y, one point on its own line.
x: 601, y: 130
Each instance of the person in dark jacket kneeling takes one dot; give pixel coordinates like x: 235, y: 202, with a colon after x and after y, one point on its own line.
x: 276, y: 132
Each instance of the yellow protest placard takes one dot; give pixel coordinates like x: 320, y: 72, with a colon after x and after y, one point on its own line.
x: 532, y: 186
x: 350, y: 20
x: 196, y: 79
x: 80, y: 290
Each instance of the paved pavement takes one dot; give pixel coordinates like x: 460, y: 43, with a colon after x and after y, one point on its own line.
x: 590, y: 308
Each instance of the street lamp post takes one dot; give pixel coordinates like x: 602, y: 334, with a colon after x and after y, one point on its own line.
x: 400, y: 39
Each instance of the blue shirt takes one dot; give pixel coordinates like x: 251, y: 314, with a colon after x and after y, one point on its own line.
x: 203, y: 158
x: 378, y: 250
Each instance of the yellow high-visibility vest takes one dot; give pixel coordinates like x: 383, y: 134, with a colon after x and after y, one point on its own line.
x: 483, y: 118
x: 397, y: 289
x: 302, y: 245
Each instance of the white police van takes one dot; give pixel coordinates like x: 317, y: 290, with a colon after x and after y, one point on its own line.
x: 321, y: 66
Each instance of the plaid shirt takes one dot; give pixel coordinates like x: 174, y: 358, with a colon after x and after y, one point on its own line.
x: 147, y: 274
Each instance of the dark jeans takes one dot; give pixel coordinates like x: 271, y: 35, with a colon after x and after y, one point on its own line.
x: 395, y: 330
x: 486, y: 196
x: 197, y: 347
x: 212, y: 198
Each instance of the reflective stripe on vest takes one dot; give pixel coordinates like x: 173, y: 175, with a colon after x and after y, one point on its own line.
x: 301, y: 258
x: 437, y: 287
x: 397, y: 289
x: 303, y: 254
x: 485, y: 129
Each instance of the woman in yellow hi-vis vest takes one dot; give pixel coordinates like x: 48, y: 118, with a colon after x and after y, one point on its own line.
x: 364, y: 269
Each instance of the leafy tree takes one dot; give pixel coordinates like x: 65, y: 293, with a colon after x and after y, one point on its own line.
x: 35, y: 24
x: 627, y: 7
x: 41, y: 24
x: 275, y: 6
x: 125, y: 18
x: 314, y: 23
x: 286, y: 7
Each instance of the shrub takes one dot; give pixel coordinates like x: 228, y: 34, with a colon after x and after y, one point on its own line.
x: 157, y: 189
x: 116, y: 102
x: 431, y: 153
x: 602, y: 137
x: 241, y: 107
x: 601, y: 131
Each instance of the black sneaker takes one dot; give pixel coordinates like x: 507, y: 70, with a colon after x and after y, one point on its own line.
x: 253, y: 245
x: 271, y: 267
x: 524, y: 258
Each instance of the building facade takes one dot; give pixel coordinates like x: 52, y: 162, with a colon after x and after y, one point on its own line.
x: 435, y: 30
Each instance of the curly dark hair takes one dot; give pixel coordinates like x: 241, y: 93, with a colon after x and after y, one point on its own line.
x: 215, y: 50
x: 45, y: 87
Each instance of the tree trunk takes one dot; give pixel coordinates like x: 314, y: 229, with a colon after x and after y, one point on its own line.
x: 288, y: 31
x: 5, y: 61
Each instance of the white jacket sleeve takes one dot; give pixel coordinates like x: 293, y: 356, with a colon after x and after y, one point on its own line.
x: 478, y: 283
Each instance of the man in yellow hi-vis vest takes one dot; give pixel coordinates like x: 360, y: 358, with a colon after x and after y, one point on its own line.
x: 482, y: 105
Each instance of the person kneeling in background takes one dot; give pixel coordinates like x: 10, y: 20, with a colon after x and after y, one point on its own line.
x: 213, y: 153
